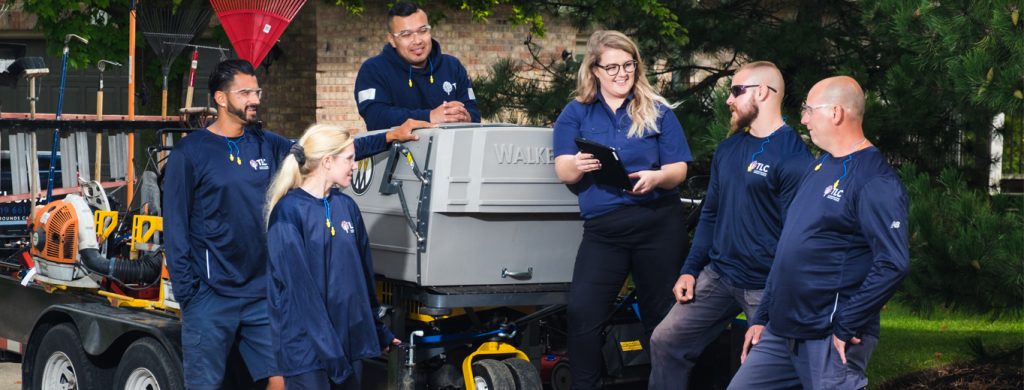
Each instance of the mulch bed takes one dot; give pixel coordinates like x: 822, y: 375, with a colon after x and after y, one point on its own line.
x: 1006, y: 372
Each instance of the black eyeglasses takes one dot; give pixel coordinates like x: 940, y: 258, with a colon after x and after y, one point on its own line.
x: 738, y: 90
x: 613, y: 69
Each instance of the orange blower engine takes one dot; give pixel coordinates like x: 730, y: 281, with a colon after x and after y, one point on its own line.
x: 64, y: 245
x: 55, y: 235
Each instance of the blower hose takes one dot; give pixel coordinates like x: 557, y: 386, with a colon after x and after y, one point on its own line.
x: 145, y: 270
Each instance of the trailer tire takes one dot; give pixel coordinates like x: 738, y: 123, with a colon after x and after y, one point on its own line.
x: 61, y: 363
x: 489, y: 374
x: 146, y: 365
x: 524, y: 374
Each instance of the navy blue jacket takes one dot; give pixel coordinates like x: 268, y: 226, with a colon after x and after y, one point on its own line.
x: 389, y: 90
x: 654, y: 149
x: 321, y: 290
x: 752, y: 182
x: 369, y: 145
x: 843, y: 250
x: 213, y: 212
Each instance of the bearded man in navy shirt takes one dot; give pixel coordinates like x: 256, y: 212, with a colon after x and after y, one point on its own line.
x: 842, y: 254
x: 754, y: 174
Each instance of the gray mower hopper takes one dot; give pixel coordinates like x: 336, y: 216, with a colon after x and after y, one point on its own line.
x: 483, y: 211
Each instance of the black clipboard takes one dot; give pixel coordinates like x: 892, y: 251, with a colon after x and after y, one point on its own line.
x: 612, y: 172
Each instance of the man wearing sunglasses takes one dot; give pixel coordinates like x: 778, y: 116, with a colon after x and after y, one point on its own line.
x: 411, y: 78
x: 841, y: 256
x: 754, y: 174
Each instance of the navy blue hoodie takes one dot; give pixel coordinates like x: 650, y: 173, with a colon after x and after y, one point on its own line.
x: 213, y: 212
x: 389, y: 90
x: 321, y: 290
x: 843, y: 250
x: 752, y: 181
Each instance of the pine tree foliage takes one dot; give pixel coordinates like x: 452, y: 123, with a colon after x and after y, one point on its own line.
x: 721, y: 37
x: 935, y: 72
x: 532, y: 92
x: 965, y: 255
x: 949, y: 68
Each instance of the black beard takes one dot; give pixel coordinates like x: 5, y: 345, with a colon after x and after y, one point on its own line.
x: 744, y: 121
x: 241, y: 113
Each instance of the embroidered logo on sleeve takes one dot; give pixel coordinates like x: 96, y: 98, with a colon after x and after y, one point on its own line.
x: 895, y: 225
x: 471, y: 95
x: 367, y: 94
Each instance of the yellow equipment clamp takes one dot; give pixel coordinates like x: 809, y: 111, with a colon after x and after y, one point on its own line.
x: 143, y: 228
x: 106, y: 222
x: 488, y: 348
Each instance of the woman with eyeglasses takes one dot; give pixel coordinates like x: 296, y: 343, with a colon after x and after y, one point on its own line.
x: 638, y: 231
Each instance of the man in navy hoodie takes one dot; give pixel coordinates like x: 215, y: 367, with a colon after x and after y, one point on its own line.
x: 842, y: 254
x: 754, y: 174
x: 411, y: 78
x: 215, y: 188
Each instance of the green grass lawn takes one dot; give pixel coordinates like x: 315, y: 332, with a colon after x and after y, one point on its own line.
x: 912, y: 343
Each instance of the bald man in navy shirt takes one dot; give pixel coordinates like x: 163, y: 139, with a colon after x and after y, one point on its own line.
x: 842, y: 254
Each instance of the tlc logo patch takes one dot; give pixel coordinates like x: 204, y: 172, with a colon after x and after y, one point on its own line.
x: 833, y: 193
x: 758, y: 168
x: 347, y: 227
x: 259, y: 164
x: 448, y: 87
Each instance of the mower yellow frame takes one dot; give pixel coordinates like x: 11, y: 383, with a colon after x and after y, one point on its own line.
x: 489, y: 348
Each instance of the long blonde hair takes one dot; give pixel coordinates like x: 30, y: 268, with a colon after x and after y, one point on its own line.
x: 643, y: 110
x: 319, y: 141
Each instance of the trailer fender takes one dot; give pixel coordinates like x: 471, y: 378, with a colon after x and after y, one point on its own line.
x: 101, y: 326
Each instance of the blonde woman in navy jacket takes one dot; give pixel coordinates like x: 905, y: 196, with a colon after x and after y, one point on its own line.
x: 321, y: 289
x: 640, y: 231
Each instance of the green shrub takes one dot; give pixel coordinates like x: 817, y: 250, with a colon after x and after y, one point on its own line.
x: 964, y: 255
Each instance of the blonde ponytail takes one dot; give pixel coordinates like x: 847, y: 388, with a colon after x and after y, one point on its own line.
x: 287, y: 177
x: 319, y: 141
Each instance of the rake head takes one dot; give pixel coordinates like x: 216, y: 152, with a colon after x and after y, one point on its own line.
x: 255, y: 25
x: 168, y: 29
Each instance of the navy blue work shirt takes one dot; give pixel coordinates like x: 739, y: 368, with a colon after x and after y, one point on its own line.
x: 843, y: 251
x: 651, y: 151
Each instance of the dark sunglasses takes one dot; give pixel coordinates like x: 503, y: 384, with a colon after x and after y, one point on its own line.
x: 738, y: 90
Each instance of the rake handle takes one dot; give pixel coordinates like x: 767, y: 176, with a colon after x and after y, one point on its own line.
x: 192, y: 78
x: 99, y: 135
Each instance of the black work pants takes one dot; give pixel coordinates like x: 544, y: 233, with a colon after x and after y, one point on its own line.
x: 648, y: 241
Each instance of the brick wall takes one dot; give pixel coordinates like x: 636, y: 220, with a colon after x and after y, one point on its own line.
x: 15, y: 18
x: 290, y: 93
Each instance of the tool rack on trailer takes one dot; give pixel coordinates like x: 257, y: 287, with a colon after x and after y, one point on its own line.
x: 65, y: 336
